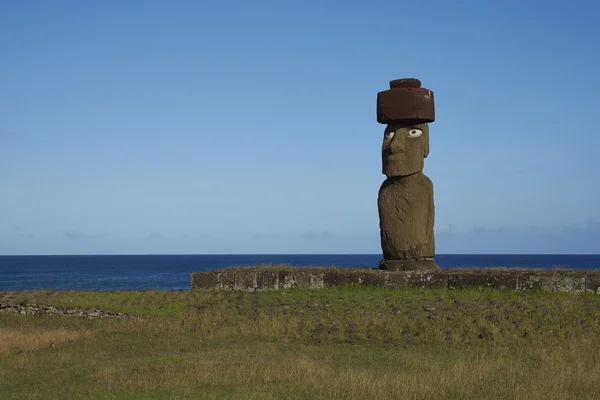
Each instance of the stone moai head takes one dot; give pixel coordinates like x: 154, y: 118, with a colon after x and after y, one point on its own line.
x: 407, y: 109
x: 405, y: 146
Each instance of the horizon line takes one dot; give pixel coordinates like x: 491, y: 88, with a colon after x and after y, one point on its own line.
x: 288, y: 254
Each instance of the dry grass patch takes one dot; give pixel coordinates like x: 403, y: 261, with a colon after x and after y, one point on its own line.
x: 18, y: 340
x: 338, y: 343
x: 349, y: 372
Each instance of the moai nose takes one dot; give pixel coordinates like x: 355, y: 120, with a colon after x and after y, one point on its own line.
x: 396, y: 146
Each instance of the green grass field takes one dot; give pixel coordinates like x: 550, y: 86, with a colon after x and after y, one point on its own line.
x: 335, y: 343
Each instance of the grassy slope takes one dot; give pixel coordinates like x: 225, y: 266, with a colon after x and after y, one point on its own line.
x: 335, y: 343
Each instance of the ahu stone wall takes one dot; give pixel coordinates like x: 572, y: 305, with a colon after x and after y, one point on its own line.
x: 515, y: 279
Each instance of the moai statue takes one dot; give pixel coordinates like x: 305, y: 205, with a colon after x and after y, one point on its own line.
x: 406, y: 209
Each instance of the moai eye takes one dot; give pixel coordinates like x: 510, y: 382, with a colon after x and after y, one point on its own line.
x: 388, y: 135
x: 415, y: 133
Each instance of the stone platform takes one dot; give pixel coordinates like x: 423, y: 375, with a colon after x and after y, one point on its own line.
x: 515, y: 279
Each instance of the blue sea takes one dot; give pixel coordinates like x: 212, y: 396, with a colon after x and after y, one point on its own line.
x: 134, y: 272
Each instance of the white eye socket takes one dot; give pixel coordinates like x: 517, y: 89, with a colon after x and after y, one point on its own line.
x: 415, y: 132
x: 389, y: 135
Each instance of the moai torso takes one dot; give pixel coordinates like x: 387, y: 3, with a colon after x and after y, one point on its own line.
x: 405, y: 202
x: 406, y: 214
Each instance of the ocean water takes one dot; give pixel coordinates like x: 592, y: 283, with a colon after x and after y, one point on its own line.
x: 134, y: 272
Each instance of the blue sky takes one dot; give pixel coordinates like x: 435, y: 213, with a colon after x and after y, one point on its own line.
x: 250, y: 127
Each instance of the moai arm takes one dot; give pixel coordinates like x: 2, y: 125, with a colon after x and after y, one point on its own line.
x: 431, y: 220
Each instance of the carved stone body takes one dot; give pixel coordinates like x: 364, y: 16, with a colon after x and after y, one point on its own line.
x: 406, y: 218
x: 405, y: 202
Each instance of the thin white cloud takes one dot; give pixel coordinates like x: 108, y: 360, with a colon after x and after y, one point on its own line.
x: 75, y: 234
x: 571, y: 239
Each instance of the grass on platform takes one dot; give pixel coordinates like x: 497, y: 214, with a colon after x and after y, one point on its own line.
x: 335, y: 343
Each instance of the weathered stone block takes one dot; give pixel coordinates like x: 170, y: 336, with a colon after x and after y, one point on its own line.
x: 408, y: 265
x: 552, y: 283
x: 395, y: 279
x: 245, y: 280
x: 592, y: 283
x: 355, y: 278
x: 571, y: 284
x: 204, y: 280
x: 427, y: 280
x: 503, y: 282
x: 335, y: 278
x: 227, y: 278
x: 286, y: 279
x: 373, y: 278
x: 267, y: 280
x: 528, y: 281
x: 309, y: 277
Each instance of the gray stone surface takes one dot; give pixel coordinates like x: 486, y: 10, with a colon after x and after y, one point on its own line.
x: 554, y: 283
x: 592, y: 282
x: 425, y: 279
x: 408, y: 265
x: 36, y: 309
x: 496, y: 281
x: 515, y: 279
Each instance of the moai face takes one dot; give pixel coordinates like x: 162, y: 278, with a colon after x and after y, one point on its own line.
x: 405, y: 146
